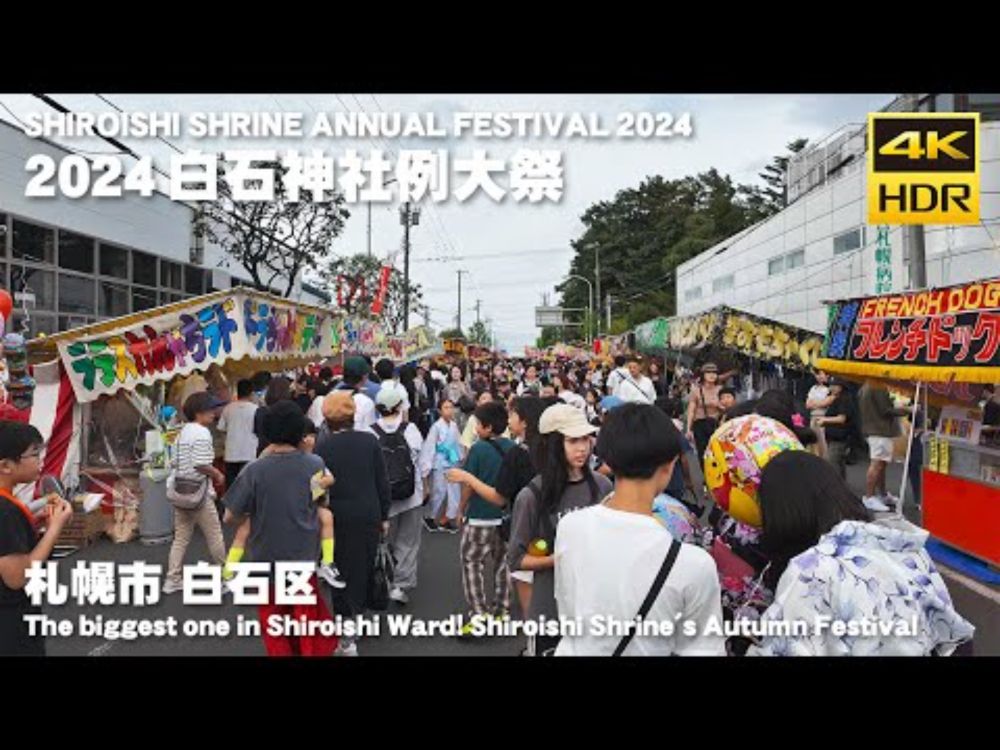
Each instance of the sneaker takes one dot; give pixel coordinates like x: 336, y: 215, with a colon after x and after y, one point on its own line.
x: 331, y: 575
x: 501, y: 614
x: 890, y: 499
x: 467, y: 628
x: 431, y: 525
x: 875, y: 504
x: 172, y: 588
x: 398, y: 595
x: 451, y: 527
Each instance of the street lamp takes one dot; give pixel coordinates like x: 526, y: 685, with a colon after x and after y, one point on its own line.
x: 590, y: 290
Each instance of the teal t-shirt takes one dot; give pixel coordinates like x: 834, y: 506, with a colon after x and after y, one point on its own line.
x: 483, y: 463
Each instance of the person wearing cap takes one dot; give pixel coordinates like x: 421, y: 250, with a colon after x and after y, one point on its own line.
x: 360, y: 498
x: 405, y: 515
x: 195, y: 456
x: 386, y: 372
x: 704, y: 409
x: 634, y: 387
x: 565, y: 484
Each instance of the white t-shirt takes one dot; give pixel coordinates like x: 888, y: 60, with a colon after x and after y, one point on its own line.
x: 818, y: 393
x: 574, y: 399
x: 237, y: 422
x: 605, y: 563
x: 194, y: 447
x: 364, y: 412
x: 315, y: 412
x: 639, y: 391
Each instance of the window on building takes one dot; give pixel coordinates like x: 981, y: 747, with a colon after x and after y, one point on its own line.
x: 194, y: 280
x: 723, y: 283
x: 41, y: 285
x: 36, y: 323
x: 114, y: 261
x: 33, y: 243
x: 693, y: 294
x: 144, y: 269
x: 776, y: 266
x: 143, y: 299
x: 76, y: 252
x: 795, y: 259
x: 988, y: 105
x: 3, y: 276
x: 849, y: 241
x: 113, y: 300
x: 76, y: 295
x: 171, y: 275
x: 69, y: 322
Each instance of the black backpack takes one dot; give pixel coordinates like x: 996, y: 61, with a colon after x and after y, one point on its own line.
x: 398, y: 463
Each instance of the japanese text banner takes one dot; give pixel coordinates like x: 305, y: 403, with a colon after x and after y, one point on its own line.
x: 185, y: 340
x: 938, y: 335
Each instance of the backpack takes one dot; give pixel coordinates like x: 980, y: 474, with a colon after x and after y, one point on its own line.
x: 398, y: 463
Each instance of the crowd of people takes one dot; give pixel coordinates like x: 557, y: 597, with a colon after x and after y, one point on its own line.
x: 579, y: 486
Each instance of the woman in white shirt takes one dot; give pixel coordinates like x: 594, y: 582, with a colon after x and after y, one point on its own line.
x: 195, y: 454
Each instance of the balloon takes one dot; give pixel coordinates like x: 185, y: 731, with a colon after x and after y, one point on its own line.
x: 6, y: 304
x: 736, y: 455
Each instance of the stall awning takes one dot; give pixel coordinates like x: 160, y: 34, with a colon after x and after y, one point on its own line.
x: 937, y: 335
x: 241, y: 328
x: 746, y: 334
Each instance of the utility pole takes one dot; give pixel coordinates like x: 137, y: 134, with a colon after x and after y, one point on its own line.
x: 597, y: 278
x: 609, y: 312
x: 479, y: 303
x: 460, y: 272
x: 408, y: 218
x: 427, y: 317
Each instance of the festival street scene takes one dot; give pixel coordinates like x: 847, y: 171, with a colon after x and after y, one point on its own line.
x: 526, y: 376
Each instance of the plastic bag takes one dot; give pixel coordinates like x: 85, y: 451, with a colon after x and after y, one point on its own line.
x: 382, y: 578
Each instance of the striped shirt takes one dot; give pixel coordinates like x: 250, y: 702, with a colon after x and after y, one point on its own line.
x: 195, y: 447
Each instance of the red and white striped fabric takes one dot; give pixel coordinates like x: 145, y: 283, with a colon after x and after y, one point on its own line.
x: 57, y: 415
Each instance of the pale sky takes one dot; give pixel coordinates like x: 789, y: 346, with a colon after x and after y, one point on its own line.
x: 736, y: 134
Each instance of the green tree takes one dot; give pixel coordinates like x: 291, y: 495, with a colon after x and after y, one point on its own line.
x: 644, y: 233
x: 452, y: 333
x: 347, y: 270
x: 774, y: 196
x: 273, y: 240
x: 550, y: 335
x: 480, y: 334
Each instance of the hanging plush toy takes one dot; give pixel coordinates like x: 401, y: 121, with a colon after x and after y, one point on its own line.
x: 20, y: 386
x: 735, y: 458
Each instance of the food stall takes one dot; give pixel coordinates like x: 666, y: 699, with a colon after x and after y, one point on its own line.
x: 766, y: 353
x: 110, y: 393
x: 943, y: 346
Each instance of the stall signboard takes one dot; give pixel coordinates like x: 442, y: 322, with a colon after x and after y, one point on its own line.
x: 185, y: 339
x: 749, y: 335
x: 180, y: 339
x: 653, y: 335
x: 936, y: 335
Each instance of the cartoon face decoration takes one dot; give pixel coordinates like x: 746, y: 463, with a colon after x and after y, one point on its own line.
x: 735, y: 458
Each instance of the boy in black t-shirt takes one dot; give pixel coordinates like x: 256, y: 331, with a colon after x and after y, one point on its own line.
x: 20, y: 463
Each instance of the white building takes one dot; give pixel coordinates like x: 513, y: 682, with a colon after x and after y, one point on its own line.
x: 77, y: 261
x: 820, y: 246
